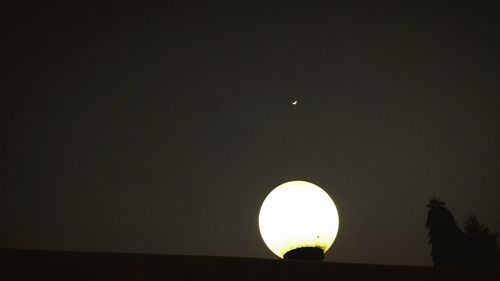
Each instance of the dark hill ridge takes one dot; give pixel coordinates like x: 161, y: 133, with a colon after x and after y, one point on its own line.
x: 59, y: 265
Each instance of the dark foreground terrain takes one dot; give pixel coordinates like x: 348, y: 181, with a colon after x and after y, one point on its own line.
x: 55, y: 265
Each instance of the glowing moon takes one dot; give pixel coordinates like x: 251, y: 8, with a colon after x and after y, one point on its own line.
x: 295, y: 102
x: 298, y: 214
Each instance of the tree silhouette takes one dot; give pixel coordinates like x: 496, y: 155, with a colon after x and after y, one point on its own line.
x: 476, y: 247
x: 445, y: 237
x: 482, y: 245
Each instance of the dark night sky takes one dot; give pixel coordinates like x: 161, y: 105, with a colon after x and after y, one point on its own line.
x: 160, y: 128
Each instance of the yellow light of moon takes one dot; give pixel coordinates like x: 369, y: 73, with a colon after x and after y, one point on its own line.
x: 298, y: 214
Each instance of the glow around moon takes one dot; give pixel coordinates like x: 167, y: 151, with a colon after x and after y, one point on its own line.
x: 298, y: 214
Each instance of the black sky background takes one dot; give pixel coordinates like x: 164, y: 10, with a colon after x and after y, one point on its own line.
x: 161, y: 127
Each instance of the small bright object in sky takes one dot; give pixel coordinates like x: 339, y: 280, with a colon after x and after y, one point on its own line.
x: 298, y: 214
x: 295, y: 102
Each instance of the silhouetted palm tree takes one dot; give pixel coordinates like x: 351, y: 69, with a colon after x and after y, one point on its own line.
x: 445, y: 237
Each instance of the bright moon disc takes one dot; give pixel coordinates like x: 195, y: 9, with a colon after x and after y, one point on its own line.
x: 298, y: 214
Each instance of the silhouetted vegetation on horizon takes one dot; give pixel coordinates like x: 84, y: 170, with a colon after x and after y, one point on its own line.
x: 476, y: 246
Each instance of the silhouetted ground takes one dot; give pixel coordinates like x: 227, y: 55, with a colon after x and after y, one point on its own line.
x: 56, y: 265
